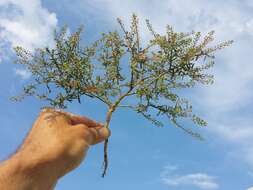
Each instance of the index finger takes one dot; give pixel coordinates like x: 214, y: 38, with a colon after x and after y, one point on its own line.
x: 76, y: 119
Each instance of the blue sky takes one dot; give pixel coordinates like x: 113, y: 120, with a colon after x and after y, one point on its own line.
x: 141, y: 155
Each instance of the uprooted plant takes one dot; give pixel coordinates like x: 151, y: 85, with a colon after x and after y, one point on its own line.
x: 150, y: 75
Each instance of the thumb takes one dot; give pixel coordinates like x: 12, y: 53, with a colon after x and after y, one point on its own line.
x: 100, y: 133
x: 91, y: 135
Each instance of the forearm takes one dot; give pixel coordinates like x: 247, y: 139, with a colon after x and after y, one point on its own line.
x: 16, y: 174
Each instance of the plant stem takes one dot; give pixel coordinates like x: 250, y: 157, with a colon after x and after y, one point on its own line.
x: 107, y: 122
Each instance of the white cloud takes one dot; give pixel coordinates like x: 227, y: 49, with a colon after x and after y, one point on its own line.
x: 228, y: 103
x: 251, y: 188
x: 199, y: 180
x: 24, y: 74
x: 25, y: 23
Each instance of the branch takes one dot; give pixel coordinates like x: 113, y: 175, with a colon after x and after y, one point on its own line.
x: 188, y: 131
x: 107, y: 102
x: 126, y: 106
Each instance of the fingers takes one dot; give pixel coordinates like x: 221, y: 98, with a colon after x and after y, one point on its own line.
x: 54, y: 117
x: 90, y: 130
x: 103, y: 134
x: 92, y: 135
x: 74, y: 119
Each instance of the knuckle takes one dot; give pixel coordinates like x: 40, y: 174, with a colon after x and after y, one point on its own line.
x: 85, y: 133
x: 94, y: 133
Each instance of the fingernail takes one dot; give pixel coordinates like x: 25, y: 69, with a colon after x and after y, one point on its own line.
x: 46, y: 109
x: 58, y: 110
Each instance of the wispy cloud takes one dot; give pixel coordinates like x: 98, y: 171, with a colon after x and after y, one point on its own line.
x: 25, y: 23
x: 24, y: 74
x: 200, y: 180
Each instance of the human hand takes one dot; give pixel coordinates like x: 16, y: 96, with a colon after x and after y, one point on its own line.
x: 59, y: 140
x: 56, y: 144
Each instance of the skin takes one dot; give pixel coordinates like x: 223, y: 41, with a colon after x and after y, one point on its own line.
x: 56, y: 144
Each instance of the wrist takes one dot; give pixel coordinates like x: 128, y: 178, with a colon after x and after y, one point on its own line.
x: 18, y: 173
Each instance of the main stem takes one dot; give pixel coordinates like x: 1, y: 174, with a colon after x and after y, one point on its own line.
x: 107, y: 122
